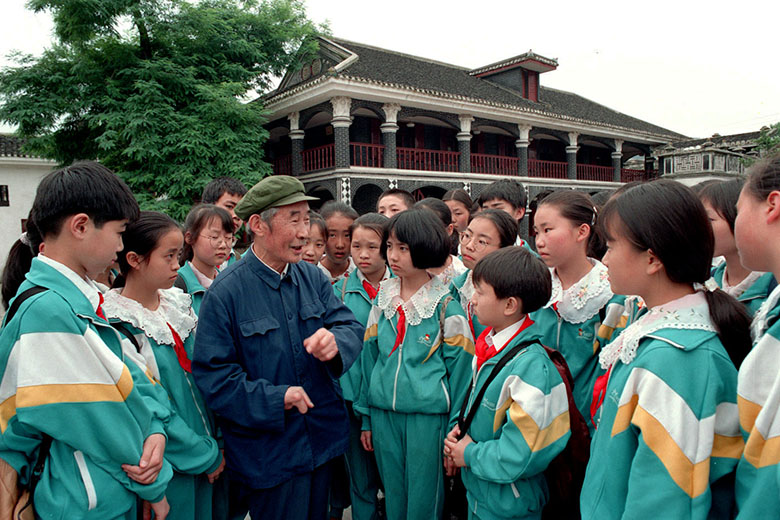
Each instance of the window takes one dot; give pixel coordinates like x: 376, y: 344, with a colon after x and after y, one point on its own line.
x: 4, y: 195
x: 667, y: 164
x: 706, y: 161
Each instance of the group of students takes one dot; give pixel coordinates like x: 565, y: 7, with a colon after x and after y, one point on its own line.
x: 483, y: 360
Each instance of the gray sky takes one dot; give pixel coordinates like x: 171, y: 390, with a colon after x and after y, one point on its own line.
x: 693, y: 67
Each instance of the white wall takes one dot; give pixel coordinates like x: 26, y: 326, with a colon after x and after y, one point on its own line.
x: 22, y: 176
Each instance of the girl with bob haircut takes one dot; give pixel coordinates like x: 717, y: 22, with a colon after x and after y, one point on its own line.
x: 452, y: 266
x: 668, y: 430
x: 208, y: 237
x: 160, y: 318
x: 581, y: 302
x: 758, y: 390
x: 749, y: 287
x: 460, y: 205
x: 416, y: 363
x: 489, y: 230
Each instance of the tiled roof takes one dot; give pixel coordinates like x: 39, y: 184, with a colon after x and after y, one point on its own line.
x: 721, y: 141
x: 11, y: 146
x: 405, y: 71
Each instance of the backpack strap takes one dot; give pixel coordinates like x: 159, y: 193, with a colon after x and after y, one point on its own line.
x: 122, y: 329
x: 465, y: 419
x: 32, y: 291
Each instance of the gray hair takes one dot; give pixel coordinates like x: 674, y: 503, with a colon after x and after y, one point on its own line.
x: 268, y: 215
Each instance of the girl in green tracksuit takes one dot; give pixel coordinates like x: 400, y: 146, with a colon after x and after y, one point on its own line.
x: 161, y: 320
x: 667, y: 438
x: 416, y: 362
x: 582, y: 301
x: 522, y: 421
x: 358, y: 292
x: 758, y: 390
x: 749, y: 287
x: 488, y: 231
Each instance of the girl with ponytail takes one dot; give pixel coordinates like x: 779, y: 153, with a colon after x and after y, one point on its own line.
x: 668, y: 427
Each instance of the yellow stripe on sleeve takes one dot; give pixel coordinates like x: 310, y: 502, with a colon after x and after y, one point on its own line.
x: 370, y: 332
x: 7, y: 411
x: 538, y: 439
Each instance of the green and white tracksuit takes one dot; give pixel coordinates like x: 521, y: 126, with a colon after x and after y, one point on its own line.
x: 668, y: 427
x: 758, y: 395
x: 462, y: 289
x: 752, y: 291
x: 194, y: 287
x: 414, y: 392
x: 63, y: 375
x: 520, y: 426
x: 571, y: 323
x: 191, y: 448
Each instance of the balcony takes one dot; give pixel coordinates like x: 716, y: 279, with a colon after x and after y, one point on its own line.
x: 591, y: 172
x: 496, y: 164
x: 428, y: 160
x: 547, y: 169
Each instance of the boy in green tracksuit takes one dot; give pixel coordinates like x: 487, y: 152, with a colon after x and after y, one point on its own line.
x: 522, y: 420
x: 62, y: 364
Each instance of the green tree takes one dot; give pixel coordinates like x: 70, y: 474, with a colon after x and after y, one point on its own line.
x: 155, y: 89
x: 769, y: 140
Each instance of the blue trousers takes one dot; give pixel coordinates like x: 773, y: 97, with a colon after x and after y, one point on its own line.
x: 304, y: 497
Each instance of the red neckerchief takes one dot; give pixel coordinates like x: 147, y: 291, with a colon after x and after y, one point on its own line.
x: 99, y: 310
x: 485, y: 351
x: 599, y: 392
x: 370, y: 290
x: 401, y: 328
x: 181, y: 354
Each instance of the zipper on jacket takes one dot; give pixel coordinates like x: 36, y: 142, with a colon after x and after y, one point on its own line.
x: 446, y: 394
x: 558, y: 334
x: 86, y: 479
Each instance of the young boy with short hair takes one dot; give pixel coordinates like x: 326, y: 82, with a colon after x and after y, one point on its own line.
x: 226, y: 192
x: 394, y: 201
x: 61, y: 362
x: 522, y: 421
x: 507, y: 195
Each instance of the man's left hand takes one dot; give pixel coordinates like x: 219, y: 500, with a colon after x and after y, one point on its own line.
x: 322, y: 345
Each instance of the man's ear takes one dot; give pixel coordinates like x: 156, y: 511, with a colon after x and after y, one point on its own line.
x: 78, y: 225
x: 519, y: 214
x: 257, y: 226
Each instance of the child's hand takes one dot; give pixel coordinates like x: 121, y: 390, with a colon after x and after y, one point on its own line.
x: 453, y: 435
x: 366, y: 441
x: 322, y: 345
x: 151, y: 460
x: 296, y: 396
x: 161, y: 509
x: 215, y: 475
x: 450, y: 469
x: 455, y: 449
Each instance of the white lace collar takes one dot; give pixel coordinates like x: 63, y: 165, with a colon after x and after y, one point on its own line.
x: 690, y: 312
x: 467, y: 291
x: 584, y: 299
x: 759, y: 325
x: 175, y: 308
x: 420, y: 306
x: 738, y: 290
x: 452, y: 271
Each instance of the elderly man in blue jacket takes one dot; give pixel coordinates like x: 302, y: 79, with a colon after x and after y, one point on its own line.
x: 272, y: 341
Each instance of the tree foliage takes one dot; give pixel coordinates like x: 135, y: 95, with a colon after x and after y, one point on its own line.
x: 154, y: 89
x: 769, y: 140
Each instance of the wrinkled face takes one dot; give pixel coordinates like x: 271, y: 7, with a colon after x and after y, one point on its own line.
x: 389, y: 205
x: 556, y: 236
x: 212, y: 246
x: 504, y: 205
x: 366, y: 252
x: 228, y: 202
x: 724, y: 239
x: 487, y: 306
x: 161, y: 266
x: 315, y: 246
x: 480, y: 238
x: 399, y: 257
x: 287, y: 234
x: 337, y: 244
x: 102, y: 245
x: 750, y: 232
x: 460, y: 214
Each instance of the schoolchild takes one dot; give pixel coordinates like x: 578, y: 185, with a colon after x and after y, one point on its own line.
x: 522, y: 421
x: 358, y: 292
x: 315, y: 244
x: 507, y: 195
x: 668, y: 431
x: 62, y: 366
x: 226, y: 192
x: 162, y: 322
x: 749, y: 287
x: 460, y: 205
x: 416, y: 362
x: 394, y: 201
x: 581, y: 298
x: 758, y: 390
x: 489, y: 231
x: 208, y: 235
x: 337, y: 264
x: 453, y: 266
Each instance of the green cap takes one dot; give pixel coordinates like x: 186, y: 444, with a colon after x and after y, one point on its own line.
x: 271, y: 192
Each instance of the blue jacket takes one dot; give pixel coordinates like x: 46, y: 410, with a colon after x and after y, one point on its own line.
x: 249, y: 351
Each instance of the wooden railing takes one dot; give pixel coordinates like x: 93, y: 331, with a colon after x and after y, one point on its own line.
x: 318, y: 158
x: 363, y: 154
x: 497, y: 164
x: 283, y: 165
x: 591, y: 172
x: 429, y: 160
x: 547, y: 169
